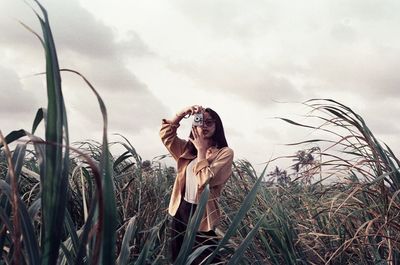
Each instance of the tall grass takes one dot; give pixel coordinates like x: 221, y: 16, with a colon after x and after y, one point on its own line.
x: 79, y: 205
x: 353, y: 219
x: 65, y: 203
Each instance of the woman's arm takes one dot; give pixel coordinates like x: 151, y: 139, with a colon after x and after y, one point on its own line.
x: 168, y: 130
x: 183, y: 113
x: 218, y: 171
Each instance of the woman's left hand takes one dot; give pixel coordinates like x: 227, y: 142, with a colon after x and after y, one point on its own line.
x: 199, y: 142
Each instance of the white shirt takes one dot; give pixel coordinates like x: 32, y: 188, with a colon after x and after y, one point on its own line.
x: 191, y: 183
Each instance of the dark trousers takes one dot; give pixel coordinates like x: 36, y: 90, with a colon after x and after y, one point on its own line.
x: 178, y: 228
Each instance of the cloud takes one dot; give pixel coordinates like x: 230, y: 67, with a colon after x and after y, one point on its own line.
x: 238, y: 20
x: 381, y: 117
x: 370, y: 73
x: 17, y: 106
x: 346, y: 46
x: 255, y: 84
x: 365, y: 10
x: 236, y: 55
x: 14, y: 100
x: 94, y: 49
x: 344, y: 32
x: 133, y: 45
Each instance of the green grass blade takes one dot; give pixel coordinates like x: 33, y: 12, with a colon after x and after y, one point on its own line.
x: 142, y: 259
x: 121, y: 158
x: 55, y: 178
x: 70, y: 227
x: 240, y: 250
x: 123, y: 257
x: 67, y: 254
x: 34, y: 209
x: 129, y: 147
x: 192, y: 228
x: 271, y: 254
x: 6, y: 227
x: 17, y: 161
x: 13, y: 136
x: 107, y: 207
x: 12, y: 177
x: 31, y: 245
x: 40, y: 115
x: 246, y: 205
x: 85, y: 234
x: 198, y: 251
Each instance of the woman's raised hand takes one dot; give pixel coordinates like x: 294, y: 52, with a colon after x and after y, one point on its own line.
x: 186, y: 111
x: 199, y: 142
x: 191, y: 110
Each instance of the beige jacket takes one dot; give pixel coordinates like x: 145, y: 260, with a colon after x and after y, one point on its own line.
x: 215, y: 170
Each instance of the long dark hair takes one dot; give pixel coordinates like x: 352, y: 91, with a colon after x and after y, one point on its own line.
x: 218, y: 137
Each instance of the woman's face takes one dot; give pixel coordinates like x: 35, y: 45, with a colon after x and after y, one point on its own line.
x: 208, y: 128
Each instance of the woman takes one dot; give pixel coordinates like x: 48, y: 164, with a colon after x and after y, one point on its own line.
x: 205, y: 158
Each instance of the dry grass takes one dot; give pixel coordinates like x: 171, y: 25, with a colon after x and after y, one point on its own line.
x: 78, y: 204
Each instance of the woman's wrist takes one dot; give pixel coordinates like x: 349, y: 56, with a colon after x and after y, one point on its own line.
x: 185, y: 113
x: 201, y: 154
x: 178, y: 117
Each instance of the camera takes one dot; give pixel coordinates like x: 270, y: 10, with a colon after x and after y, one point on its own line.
x: 198, y: 119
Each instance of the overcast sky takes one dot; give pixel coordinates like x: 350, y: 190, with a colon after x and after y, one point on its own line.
x: 150, y: 59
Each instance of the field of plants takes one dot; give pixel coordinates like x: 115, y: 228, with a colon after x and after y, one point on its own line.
x: 77, y: 203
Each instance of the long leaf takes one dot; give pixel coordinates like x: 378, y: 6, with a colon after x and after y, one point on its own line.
x: 55, y: 179
x: 192, y: 228
x: 40, y: 115
x: 28, y: 232
x: 142, y: 259
x: 13, y: 136
x: 123, y: 257
x: 70, y: 227
x: 17, y: 160
x: 240, y: 250
x: 107, y: 208
x: 12, y: 176
x: 246, y: 205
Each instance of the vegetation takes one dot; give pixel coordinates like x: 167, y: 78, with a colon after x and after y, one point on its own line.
x: 79, y: 204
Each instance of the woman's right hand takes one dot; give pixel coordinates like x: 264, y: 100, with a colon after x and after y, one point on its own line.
x: 186, y: 111
x: 191, y: 110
